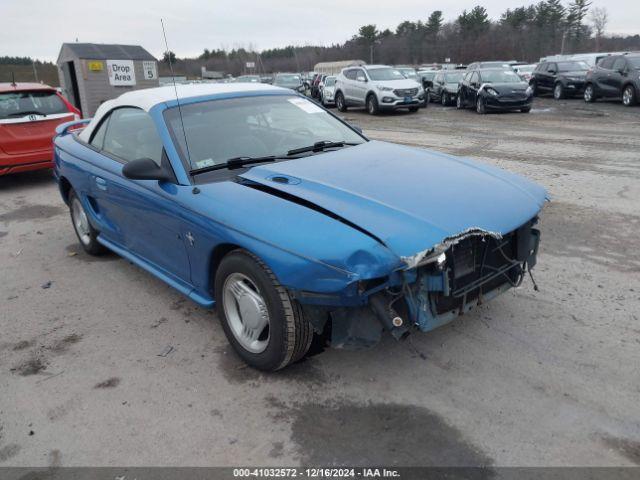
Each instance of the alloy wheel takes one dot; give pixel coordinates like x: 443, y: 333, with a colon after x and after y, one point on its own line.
x: 627, y: 96
x: 80, y: 221
x: 246, y: 312
x: 370, y: 107
x: 588, y: 93
x: 557, y: 92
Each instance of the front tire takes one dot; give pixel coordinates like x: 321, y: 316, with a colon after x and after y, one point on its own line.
x: 372, y: 105
x: 459, y: 102
x: 414, y: 109
x: 263, y: 324
x: 340, y: 103
x: 525, y: 109
x: 558, y: 91
x: 87, y: 235
x: 629, y: 97
x: 480, y: 106
x: 444, y: 99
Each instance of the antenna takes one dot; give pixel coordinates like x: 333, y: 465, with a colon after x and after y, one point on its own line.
x: 175, y: 89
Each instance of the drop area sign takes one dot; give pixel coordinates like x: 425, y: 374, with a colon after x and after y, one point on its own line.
x: 121, y: 73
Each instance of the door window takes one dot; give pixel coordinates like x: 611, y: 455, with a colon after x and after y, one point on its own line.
x: 350, y: 74
x: 97, y: 140
x: 552, y: 68
x: 360, y: 76
x: 131, y: 135
x: 618, y: 64
x: 607, y: 63
x: 475, y: 78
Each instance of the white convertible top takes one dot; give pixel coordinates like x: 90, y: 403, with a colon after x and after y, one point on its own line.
x: 148, y: 98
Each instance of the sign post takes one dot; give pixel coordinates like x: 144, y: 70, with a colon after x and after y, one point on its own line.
x: 150, y: 70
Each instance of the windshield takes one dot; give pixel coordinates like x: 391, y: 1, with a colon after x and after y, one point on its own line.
x: 288, y: 80
x: 570, y: 66
x: 218, y: 130
x: 453, y: 77
x: 19, y: 104
x: 500, y: 76
x: 409, y: 73
x: 634, y: 62
x: 382, y: 74
x: 330, y: 81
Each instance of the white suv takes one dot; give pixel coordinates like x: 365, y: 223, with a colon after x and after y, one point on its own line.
x: 377, y: 87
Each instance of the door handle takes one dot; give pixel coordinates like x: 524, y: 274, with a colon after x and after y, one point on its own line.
x: 101, y: 183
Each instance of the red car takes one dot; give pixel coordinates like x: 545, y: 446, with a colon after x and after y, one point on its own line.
x: 29, y: 115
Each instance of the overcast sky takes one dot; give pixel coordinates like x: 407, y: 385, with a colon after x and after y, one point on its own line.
x: 37, y: 28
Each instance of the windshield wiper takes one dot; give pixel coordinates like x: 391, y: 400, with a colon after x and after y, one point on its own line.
x: 319, y: 146
x: 233, y: 163
x: 24, y: 114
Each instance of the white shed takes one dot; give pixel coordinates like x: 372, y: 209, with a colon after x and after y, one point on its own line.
x: 334, y: 68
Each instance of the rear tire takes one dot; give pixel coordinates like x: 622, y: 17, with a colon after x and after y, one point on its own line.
x: 340, y: 103
x: 372, y: 105
x: 285, y: 336
x: 87, y: 235
x: 589, y: 94
x: 534, y: 88
x: 629, y: 97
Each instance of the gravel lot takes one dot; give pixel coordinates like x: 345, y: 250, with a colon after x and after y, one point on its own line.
x: 532, y: 378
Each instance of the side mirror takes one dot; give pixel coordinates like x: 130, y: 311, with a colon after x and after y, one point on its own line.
x: 145, y: 169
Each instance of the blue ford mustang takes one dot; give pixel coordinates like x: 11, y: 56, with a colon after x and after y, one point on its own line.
x: 301, y: 229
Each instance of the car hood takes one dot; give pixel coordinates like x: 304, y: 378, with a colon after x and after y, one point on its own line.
x: 508, y: 88
x: 407, y: 198
x: 451, y: 87
x: 404, y: 83
x: 575, y: 73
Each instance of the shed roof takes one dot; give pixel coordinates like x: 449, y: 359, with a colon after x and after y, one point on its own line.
x: 101, y: 51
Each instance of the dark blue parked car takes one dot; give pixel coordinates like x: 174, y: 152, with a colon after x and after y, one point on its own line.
x: 299, y: 228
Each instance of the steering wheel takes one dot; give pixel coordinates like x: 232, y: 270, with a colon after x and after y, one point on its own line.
x: 302, y: 131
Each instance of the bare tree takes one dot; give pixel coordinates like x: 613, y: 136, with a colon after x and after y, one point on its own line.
x: 599, y: 18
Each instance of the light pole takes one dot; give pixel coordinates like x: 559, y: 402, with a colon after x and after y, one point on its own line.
x: 375, y: 42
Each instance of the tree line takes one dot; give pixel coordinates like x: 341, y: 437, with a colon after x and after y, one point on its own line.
x: 6, y: 60
x: 523, y: 33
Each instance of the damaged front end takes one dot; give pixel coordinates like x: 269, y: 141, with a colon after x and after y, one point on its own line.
x: 466, y: 270
x: 437, y: 285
